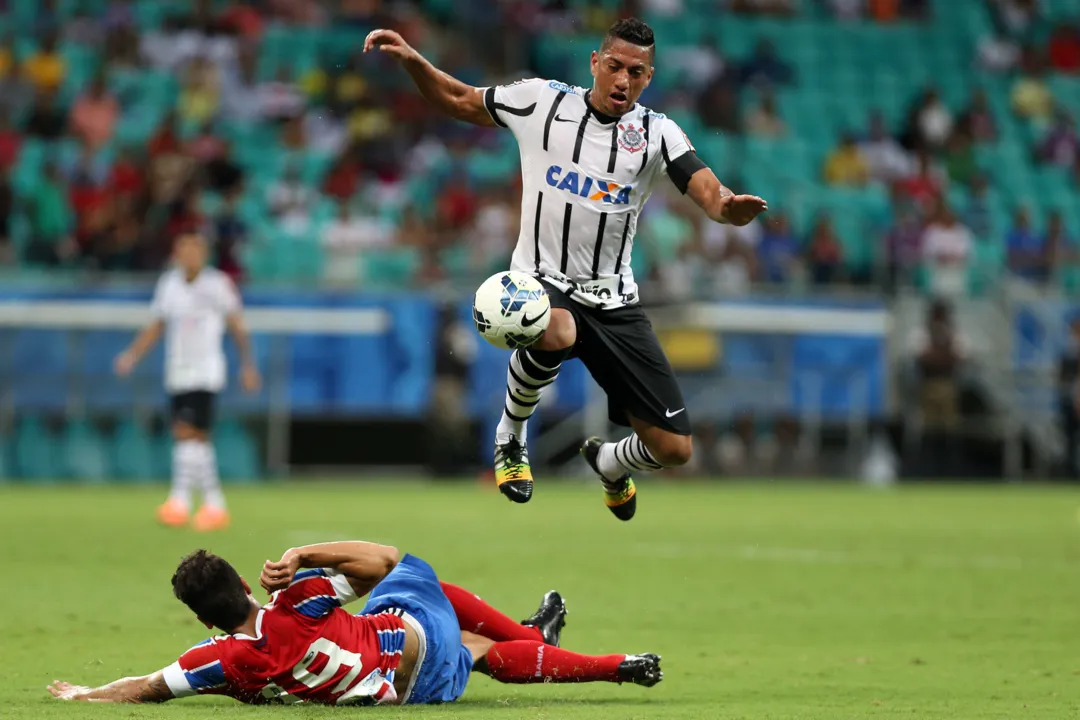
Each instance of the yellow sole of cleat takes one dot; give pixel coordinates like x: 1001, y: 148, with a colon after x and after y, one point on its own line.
x: 622, y: 498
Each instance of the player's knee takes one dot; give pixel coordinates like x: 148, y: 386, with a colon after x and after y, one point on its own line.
x: 561, y: 332
x: 672, y: 450
x: 185, y: 431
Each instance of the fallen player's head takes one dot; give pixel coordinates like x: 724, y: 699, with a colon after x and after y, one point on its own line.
x: 214, y: 591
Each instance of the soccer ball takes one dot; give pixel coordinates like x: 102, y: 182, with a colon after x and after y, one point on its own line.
x: 511, y: 310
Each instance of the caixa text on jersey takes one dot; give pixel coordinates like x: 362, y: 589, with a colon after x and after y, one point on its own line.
x: 587, y: 187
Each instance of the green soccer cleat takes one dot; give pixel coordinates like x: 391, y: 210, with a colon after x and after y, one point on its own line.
x: 619, y: 495
x: 512, y: 472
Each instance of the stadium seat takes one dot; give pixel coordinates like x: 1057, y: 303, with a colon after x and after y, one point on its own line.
x: 133, y: 450
x: 237, y: 453
x: 35, y: 452
x: 85, y: 453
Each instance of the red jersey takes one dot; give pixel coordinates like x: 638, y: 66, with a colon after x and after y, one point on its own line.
x: 305, y: 649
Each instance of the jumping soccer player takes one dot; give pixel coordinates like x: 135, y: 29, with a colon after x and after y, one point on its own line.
x: 415, y: 642
x: 589, y: 161
x: 195, y: 304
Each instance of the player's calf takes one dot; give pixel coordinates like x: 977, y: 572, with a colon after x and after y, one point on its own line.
x: 666, y: 448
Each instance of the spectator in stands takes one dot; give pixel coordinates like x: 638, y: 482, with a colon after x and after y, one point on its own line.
x: 933, y: 122
x: 998, y: 52
x: 731, y: 256
x: 1028, y: 256
x: 46, y: 121
x: 1017, y: 18
x: 50, y: 221
x: 979, y: 210
x: 885, y: 11
x: 170, y: 165
x: 16, y: 92
x: 1031, y: 96
x: 343, y: 179
x: 1060, y: 247
x: 1061, y: 146
x: 947, y: 247
x: 205, y: 147
x: 977, y: 120
x: 886, y: 160
x: 940, y: 354
x: 697, y: 64
x: 242, y: 101
x: 7, y: 58
x: 10, y: 141
x: 915, y: 9
x: 493, y: 233
x: 903, y: 243
x: 764, y: 67
x: 778, y: 252
x: 290, y: 201
x: 1069, y: 397
x: 824, y: 253
x: 847, y: 9
x: 846, y: 165
x: 778, y: 8
x: 1064, y: 49
x: 718, y: 106
x: 127, y: 179
x: 960, y: 162
x: 200, y: 95
x: 293, y: 136
x: 7, y: 207
x: 346, y: 237
x: 763, y: 120
x: 230, y: 234
x: 925, y: 186
x: 94, y: 114
x: 45, y: 68
x: 280, y: 99
x: 222, y: 173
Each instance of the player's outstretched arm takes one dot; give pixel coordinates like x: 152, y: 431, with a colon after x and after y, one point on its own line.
x: 143, y: 342
x: 147, y: 689
x: 720, y: 203
x: 453, y: 97
x: 364, y: 564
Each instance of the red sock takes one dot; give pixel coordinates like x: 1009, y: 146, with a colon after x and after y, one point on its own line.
x: 476, y: 616
x: 528, y: 661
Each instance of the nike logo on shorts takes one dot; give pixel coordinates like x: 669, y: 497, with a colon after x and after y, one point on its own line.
x: 670, y: 414
x: 526, y: 321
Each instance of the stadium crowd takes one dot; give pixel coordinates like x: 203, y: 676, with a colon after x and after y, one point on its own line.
x: 123, y: 122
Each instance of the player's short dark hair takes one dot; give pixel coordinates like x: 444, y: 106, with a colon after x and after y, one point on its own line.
x: 212, y: 588
x: 633, y: 31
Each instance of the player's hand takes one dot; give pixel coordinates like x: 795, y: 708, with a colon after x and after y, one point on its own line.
x: 250, y: 379
x: 279, y: 575
x: 124, y: 363
x: 741, y: 209
x: 389, y: 42
x: 66, y: 691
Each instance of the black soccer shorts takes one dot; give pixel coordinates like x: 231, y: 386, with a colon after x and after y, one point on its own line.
x: 196, y: 408
x: 623, y: 355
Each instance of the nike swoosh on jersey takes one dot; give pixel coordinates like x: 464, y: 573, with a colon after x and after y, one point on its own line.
x: 526, y: 321
x: 560, y: 118
x: 670, y: 414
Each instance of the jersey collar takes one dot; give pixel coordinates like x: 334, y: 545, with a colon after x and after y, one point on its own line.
x: 603, y: 117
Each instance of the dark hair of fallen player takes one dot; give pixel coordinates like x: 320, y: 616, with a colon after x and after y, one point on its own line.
x: 212, y: 588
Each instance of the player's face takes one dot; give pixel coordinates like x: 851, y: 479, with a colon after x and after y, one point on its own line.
x: 190, y: 253
x: 621, y: 72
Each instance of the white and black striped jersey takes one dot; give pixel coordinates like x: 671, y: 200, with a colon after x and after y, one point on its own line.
x: 585, y: 177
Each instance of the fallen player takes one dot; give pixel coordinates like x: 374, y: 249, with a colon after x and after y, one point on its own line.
x: 415, y: 642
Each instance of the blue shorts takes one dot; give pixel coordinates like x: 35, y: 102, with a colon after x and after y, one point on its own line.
x: 445, y: 664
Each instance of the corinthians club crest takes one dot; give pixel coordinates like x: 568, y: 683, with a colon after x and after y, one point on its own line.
x: 632, y: 139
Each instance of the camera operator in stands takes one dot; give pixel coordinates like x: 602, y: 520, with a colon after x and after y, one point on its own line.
x: 1069, y: 397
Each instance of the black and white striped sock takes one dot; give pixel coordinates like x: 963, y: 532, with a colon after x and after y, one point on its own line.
x: 530, y: 372
x: 626, y: 456
x: 185, y: 470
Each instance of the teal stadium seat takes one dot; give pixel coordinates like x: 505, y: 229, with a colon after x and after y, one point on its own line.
x: 35, y: 451
x: 237, y: 453
x: 133, y: 449
x: 85, y: 453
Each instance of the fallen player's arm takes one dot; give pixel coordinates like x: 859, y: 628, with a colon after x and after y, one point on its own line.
x: 719, y: 202
x: 363, y: 564
x: 147, y: 689
x: 455, y: 98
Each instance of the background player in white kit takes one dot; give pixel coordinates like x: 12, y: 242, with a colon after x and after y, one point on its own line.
x: 589, y: 161
x: 193, y: 305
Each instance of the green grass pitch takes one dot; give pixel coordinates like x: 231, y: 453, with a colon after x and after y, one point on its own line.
x: 766, y: 601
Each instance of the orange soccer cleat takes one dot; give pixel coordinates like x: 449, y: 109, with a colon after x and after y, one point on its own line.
x: 211, y: 518
x: 173, y: 513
